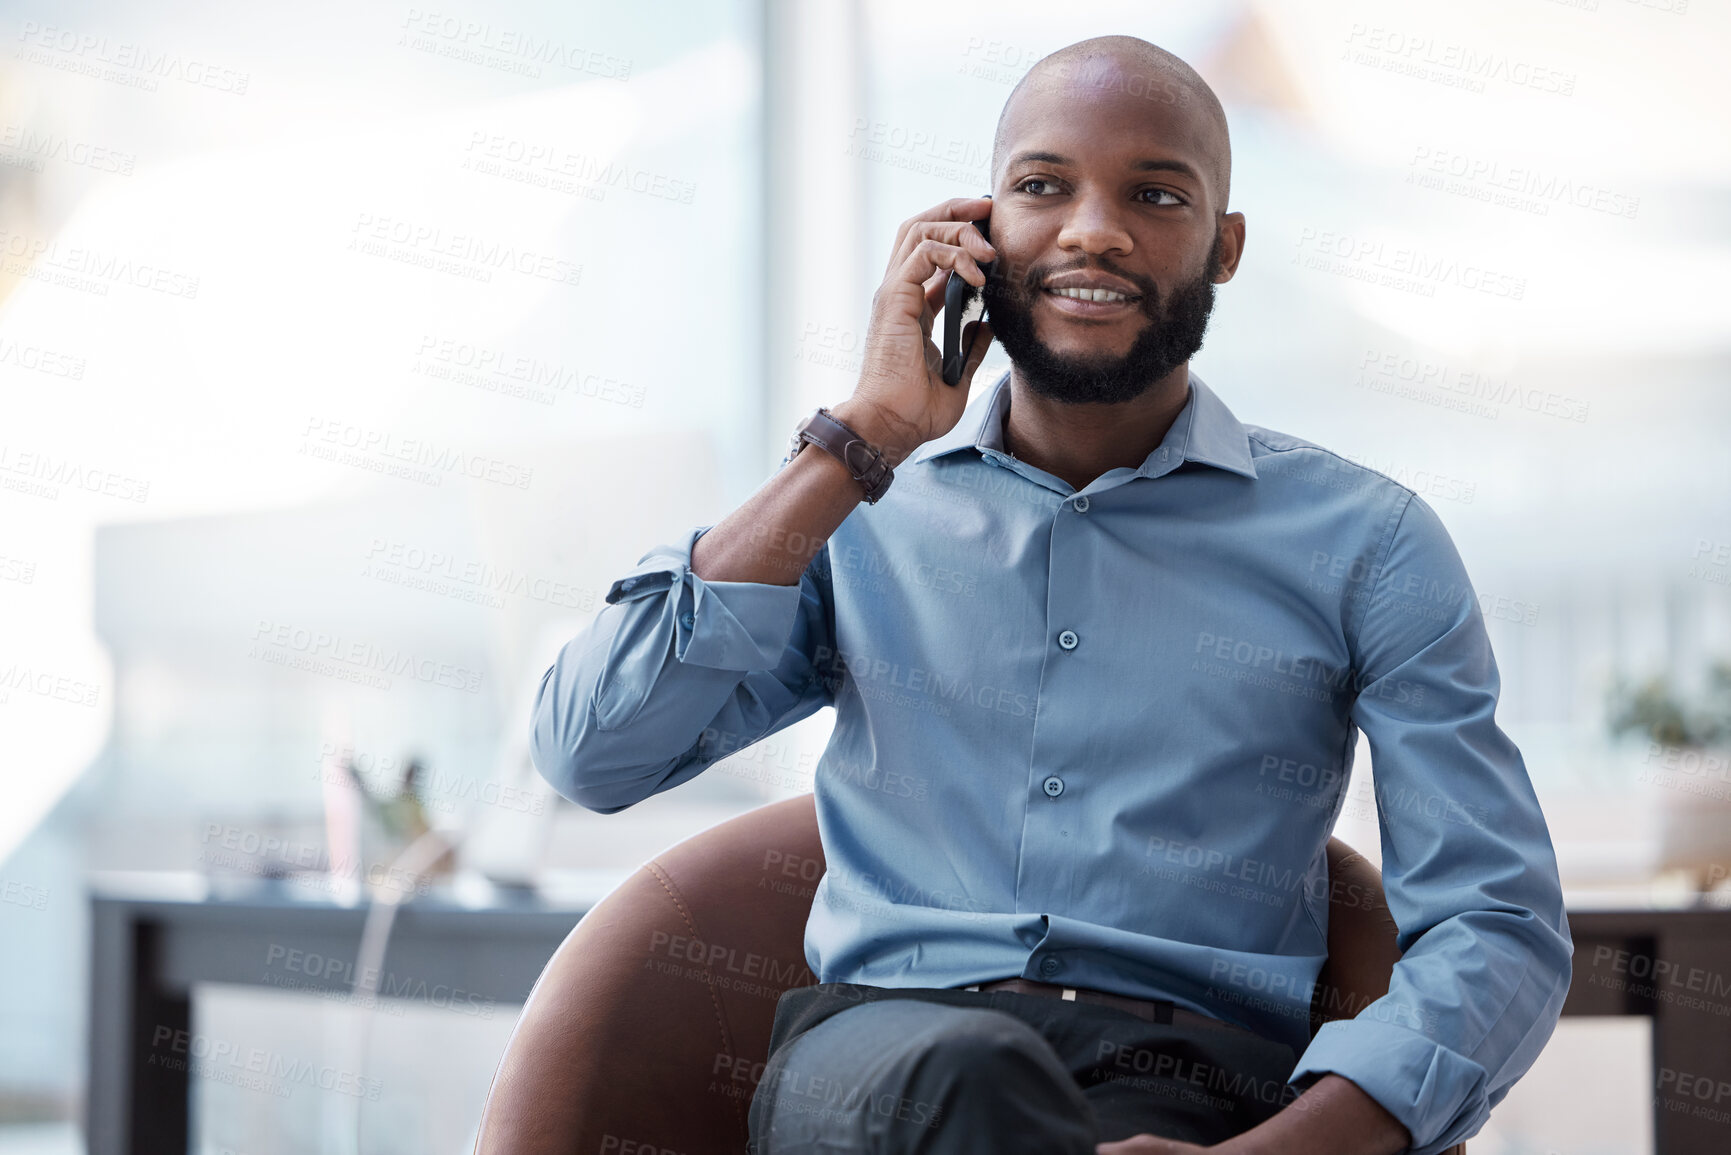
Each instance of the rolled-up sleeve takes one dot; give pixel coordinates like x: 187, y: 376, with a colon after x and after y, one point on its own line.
x: 673, y: 674
x: 1468, y: 865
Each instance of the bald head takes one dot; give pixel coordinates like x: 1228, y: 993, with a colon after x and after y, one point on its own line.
x: 1128, y: 66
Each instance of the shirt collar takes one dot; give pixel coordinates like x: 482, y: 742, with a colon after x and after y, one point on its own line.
x: 1205, y: 431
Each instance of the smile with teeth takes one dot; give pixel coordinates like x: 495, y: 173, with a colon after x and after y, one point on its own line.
x: 1089, y: 294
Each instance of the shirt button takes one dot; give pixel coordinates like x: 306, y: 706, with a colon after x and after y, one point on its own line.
x: 1081, y: 504
x: 1050, y: 966
x: 1053, y: 785
x: 1068, y: 639
x: 687, y: 620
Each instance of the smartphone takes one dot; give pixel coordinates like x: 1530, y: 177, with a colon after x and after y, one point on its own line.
x: 959, y: 296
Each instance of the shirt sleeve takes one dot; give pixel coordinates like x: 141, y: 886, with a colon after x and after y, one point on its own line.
x: 674, y: 674
x: 1468, y: 865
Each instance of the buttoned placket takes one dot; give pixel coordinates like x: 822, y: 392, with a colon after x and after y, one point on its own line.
x: 1048, y: 875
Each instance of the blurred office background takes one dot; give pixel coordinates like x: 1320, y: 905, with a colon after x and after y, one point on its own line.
x: 336, y: 331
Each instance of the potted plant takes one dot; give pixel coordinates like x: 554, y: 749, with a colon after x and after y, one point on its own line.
x: 1689, y: 758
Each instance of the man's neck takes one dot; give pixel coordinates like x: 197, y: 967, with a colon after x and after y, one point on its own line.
x: 1080, y: 442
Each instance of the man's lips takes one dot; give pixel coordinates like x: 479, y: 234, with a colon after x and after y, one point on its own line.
x: 1083, y: 302
x: 1090, y: 293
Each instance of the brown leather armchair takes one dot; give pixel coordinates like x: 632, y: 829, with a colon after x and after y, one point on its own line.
x: 649, y: 1028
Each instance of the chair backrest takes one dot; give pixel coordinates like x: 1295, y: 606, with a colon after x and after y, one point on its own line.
x: 649, y: 1028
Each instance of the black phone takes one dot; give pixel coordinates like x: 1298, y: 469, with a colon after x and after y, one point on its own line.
x: 958, y: 296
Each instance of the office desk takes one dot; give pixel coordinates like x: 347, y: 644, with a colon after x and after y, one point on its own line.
x: 1673, y: 965
x: 154, y: 936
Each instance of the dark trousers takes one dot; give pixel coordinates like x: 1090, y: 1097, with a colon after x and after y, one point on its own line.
x: 926, y: 1070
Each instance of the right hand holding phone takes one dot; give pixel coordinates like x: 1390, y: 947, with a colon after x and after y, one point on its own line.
x: 901, y: 401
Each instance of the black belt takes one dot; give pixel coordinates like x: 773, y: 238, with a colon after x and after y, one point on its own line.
x: 1151, y: 1010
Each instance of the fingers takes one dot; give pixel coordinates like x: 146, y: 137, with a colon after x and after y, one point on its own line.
x: 934, y: 287
x: 960, y: 234
x: 954, y: 209
x: 929, y: 256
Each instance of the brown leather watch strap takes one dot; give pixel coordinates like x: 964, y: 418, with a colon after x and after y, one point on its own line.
x: 864, y: 461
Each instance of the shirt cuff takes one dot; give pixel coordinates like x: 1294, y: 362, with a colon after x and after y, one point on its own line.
x: 741, y: 626
x: 1438, y: 1095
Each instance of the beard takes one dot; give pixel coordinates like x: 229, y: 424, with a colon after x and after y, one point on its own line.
x: 1173, y: 334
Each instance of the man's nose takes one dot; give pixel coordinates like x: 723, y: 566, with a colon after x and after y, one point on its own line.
x: 1094, y: 226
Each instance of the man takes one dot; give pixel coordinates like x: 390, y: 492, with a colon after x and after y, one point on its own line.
x: 1099, y: 658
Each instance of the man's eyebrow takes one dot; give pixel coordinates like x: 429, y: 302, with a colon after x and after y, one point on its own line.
x: 1147, y: 165
x: 1040, y: 158
x: 1176, y: 166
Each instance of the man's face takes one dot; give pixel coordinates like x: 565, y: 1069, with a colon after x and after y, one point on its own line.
x: 1109, y: 235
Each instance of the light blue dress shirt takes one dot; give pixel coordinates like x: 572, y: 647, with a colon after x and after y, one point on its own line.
x: 1100, y: 737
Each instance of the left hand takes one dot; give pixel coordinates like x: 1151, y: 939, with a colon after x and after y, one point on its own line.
x: 1147, y: 1145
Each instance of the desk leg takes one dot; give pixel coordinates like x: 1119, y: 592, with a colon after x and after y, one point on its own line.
x: 140, y: 1043
x: 1692, y: 1049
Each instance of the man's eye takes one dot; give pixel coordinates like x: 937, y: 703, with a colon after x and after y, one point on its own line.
x: 1026, y: 186
x: 1160, y: 192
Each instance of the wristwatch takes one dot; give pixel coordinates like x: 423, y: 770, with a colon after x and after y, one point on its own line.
x: 863, y: 459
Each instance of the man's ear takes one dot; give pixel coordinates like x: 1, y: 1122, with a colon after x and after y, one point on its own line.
x: 1230, y: 237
